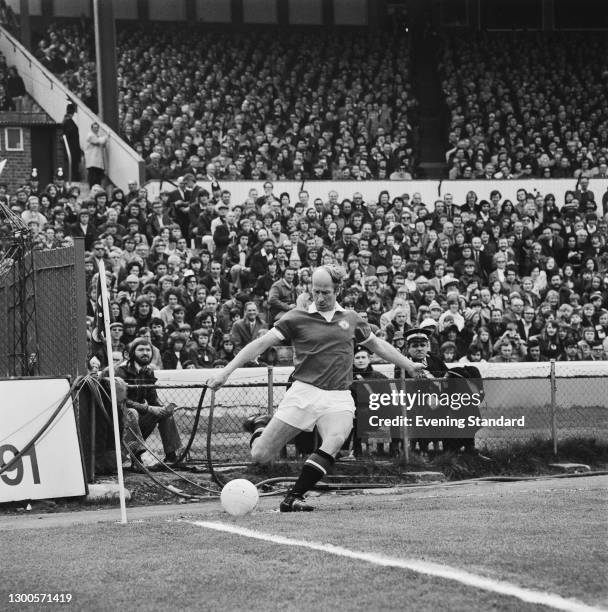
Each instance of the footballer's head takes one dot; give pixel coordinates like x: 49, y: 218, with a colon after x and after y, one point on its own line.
x: 326, y: 282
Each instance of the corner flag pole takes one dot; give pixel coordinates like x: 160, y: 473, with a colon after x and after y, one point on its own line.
x: 106, y: 318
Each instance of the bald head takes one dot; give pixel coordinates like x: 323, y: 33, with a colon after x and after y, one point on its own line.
x: 326, y: 282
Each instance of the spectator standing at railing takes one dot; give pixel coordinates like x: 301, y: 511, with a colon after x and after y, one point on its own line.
x: 95, y: 154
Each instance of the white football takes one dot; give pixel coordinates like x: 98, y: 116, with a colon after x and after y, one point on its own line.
x: 239, y: 497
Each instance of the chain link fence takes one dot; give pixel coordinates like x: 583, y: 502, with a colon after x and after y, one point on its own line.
x: 43, y: 315
x: 232, y: 404
x: 553, y: 409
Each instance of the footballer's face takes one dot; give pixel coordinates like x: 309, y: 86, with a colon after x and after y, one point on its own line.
x: 323, y: 291
x: 143, y: 354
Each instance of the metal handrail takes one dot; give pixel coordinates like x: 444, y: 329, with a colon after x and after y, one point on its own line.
x: 69, y: 154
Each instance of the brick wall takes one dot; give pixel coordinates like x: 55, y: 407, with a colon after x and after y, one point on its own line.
x: 19, y: 165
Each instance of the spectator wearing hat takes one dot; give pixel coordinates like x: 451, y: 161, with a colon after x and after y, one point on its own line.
x: 69, y: 129
x: 435, y: 310
x: 448, y: 352
x: 418, y: 349
x: 223, y: 233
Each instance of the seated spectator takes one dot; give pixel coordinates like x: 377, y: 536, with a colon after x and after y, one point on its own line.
x: 246, y: 329
x: 175, y: 355
x: 144, y: 410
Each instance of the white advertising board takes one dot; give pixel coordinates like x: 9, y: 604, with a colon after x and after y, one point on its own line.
x: 53, y: 465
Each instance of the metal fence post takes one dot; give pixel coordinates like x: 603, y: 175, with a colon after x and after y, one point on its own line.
x: 553, y: 407
x: 270, y: 390
x: 406, y: 442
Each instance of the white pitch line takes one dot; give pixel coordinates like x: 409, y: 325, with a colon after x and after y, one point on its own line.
x: 415, y: 565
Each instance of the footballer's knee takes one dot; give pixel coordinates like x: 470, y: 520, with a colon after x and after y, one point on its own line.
x: 333, y: 443
x: 260, y: 453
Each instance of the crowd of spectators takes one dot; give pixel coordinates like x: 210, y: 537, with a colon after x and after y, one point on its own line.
x: 203, y: 275
x: 262, y: 104
x: 8, y: 19
x: 525, y: 105
x: 339, y: 105
x: 12, y: 88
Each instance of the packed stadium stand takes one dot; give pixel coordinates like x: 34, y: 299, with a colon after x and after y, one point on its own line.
x: 526, y: 104
x: 258, y: 104
x: 499, y: 277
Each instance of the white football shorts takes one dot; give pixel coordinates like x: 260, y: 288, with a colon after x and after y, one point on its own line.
x: 303, y: 404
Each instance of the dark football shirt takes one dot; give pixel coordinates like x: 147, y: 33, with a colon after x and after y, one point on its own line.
x: 324, y: 351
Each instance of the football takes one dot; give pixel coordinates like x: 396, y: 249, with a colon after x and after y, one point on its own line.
x: 239, y: 497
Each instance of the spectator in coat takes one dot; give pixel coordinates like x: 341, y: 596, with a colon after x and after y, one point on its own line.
x: 282, y: 296
x: 94, y: 155
x: 247, y: 329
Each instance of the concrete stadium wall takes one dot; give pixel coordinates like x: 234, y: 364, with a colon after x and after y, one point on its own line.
x: 430, y: 190
x: 587, y: 385
x: 124, y: 164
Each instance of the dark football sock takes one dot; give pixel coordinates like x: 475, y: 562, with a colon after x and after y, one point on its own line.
x: 314, y: 469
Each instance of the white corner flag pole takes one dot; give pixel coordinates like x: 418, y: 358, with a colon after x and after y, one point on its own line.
x: 106, y: 317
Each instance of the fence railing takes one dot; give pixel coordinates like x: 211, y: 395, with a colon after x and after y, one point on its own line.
x: 554, y: 409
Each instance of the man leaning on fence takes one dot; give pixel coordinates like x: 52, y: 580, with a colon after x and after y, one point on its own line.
x: 143, y: 409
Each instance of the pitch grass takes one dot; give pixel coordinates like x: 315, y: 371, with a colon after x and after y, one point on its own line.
x: 546, y: 535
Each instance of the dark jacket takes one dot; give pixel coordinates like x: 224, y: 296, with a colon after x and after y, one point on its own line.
x: 435, y: 366
x: 241, y: 333
x: 144, y: 391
